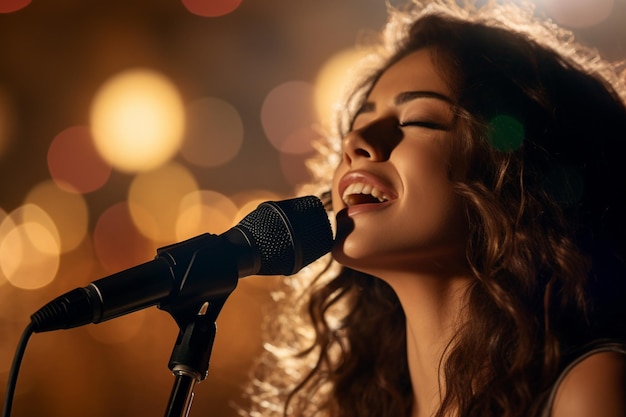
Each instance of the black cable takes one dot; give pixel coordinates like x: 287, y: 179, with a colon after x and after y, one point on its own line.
x: 15, y: 367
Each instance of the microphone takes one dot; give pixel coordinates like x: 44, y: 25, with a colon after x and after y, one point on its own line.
x: 277, y: 238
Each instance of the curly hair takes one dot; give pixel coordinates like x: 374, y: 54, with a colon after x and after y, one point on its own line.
x: 535, y: 153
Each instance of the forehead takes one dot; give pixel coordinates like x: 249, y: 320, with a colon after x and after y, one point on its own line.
x: 415, y: 71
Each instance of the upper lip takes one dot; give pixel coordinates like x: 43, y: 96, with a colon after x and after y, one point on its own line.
x: 373, y: 185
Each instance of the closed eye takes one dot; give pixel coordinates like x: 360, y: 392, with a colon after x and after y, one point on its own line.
x: 419, y: 123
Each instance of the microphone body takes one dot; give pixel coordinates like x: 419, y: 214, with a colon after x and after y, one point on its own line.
x: 277, y: 238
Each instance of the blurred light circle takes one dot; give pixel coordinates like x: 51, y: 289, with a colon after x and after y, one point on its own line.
x: 248, y: 201
x: 6, y: 226
x: 331, y: 79
x: 579, y: 13
x: 117, y: 242
x: 74, y: 163
x: 286, y: 113
x: 211, y: 8
x: 27, y: 265
x: 204, y: 211
x: 155, y: 199
x: 300, y: 141
x: 33, y: 214
x: 294, y: 169
x: 137, y: 120
x: 9, y: 6
x: 67, y: 210
x: 214, y: 133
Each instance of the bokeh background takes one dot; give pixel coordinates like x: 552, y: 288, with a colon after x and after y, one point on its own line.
x: 127, y: 125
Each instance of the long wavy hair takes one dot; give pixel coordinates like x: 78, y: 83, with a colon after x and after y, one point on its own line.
x: 540, y: 122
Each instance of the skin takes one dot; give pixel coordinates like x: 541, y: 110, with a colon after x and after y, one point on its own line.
x: 399, y: 144
x: 595, y: 387
x: 415, y: 239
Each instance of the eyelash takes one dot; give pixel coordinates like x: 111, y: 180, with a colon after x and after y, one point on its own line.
x: 419, y: 123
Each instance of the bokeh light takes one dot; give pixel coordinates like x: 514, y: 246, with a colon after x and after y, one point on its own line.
x: 33, y: 214
x: 6, y: 225
x: 204, y: 211
x: 117, y: 242
x: 288, y: 117
x: 214, y: 132
x: 506, y: 133
x: 29, y: 251
x: 332, y: 77
x: 249, y: 200
x: 294, y: 168
x: 67, y: 210
x: 211, y: 8
x: 137, y: 120
x: 74, y: 163
x: 155, y: 198
x: 579, y: 13
x: 9, y: 6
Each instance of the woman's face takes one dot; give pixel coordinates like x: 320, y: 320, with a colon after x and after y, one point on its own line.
x: 395, y: 205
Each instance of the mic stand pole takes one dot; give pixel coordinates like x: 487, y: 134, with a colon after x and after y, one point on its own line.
x: 195, y: 308
x: 190, y: 358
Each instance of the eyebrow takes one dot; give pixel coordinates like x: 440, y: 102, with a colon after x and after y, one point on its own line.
x: 407, y: 96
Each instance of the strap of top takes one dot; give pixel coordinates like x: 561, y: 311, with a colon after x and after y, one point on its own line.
x: 596, y: 347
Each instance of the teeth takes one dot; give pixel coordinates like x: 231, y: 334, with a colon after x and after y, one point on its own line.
x: 362, y: 188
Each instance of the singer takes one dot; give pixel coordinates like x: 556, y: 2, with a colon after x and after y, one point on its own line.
x: 479, y: 261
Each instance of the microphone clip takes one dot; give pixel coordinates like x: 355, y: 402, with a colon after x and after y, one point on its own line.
x: 213, y: 260
x: 194, y: 305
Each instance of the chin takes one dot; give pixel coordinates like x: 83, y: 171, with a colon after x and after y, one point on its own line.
x: 352, y: 256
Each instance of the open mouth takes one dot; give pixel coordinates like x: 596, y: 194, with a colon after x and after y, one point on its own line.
x: 361, y: 193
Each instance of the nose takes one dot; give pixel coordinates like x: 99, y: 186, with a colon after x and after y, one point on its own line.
x: 373, y: 142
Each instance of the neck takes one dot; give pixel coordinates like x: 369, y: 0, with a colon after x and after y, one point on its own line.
x: 433, y: 304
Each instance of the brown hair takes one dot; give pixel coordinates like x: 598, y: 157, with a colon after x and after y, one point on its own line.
x: 540, y: 122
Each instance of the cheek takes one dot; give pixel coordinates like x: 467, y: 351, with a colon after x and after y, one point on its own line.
x: 337, y: 203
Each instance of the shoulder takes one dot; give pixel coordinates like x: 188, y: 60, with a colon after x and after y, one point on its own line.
x: 594, y: 387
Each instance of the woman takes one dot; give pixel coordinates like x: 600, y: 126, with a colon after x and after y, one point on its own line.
x: 478, y: 268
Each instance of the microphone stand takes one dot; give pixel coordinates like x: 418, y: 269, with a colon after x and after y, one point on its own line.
x: 195, y: 309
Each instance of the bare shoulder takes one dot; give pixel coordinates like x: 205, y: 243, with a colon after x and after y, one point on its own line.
x: 595, y: 387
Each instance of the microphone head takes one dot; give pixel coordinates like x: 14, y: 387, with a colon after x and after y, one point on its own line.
x: 289, y: 234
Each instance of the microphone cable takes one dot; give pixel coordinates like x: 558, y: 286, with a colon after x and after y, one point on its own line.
x: 15, y: 367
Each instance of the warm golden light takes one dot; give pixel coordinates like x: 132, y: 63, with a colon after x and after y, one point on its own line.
x: 137, y: 120
x: 294, y: 169
x: 248, y: 201
x: 27, y: 265
x: 31, y: 213
x: 579, y: 13
x: 118, y: 244
x: 214, y: 133
x: 74, y: 163
x: 6, y: 225
x: 204, y: 211
x: 68, y: 211
x: 155, y: 199
x: 331, y: 79
x: 288, y: 117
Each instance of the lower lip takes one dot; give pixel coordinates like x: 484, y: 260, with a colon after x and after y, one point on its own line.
x: 366, y: 208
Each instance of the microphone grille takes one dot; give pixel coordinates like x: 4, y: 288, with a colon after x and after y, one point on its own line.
x: 289, y: 234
